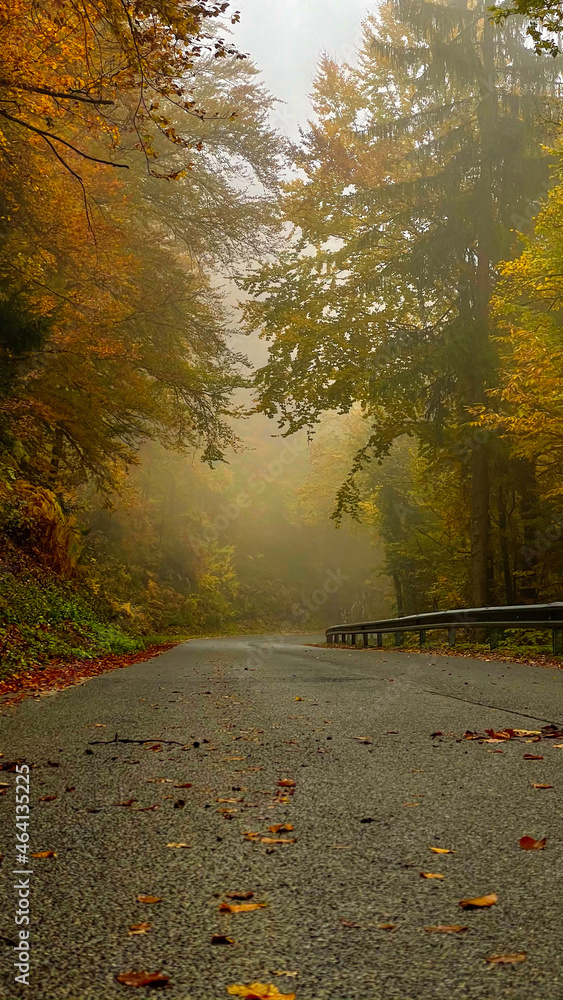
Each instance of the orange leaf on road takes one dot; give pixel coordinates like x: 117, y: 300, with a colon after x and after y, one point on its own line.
x: 479, y: 901
x: 535, y: 785
x: 280, y: 826
x: 240, y: 907
x: 532, y: 756
x: 259, y: 991
x: 446, y: 929
x: 519, y: 956
x: 442, y: 850
x: 287, y: 783
x: 143, y: 979
x: 139, y: 928
x: 148, y: 899
x: 529, y: 844
x: 430, y: 875
x: 44, y: 854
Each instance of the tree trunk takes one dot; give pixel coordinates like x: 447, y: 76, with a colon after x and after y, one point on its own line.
x: 487, y: 114
x: 509, y: 595
x: 479, y: 526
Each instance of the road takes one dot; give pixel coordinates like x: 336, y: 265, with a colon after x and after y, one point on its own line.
x: 246, y: 713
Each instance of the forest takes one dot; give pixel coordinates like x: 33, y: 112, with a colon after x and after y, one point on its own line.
x: 249, y: 384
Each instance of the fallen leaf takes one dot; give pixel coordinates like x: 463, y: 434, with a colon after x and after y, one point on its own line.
x: 528, y: 732
x: 148, y: 899
x: 147, y: 809
x: 280, y: 826
x: 128, y: 803
x: 557, y: 746
x: 519, y: 956
x: 259, y: 991
x: 362, y: 739
x: 348, y: 923
x: 240, y: 907
x: 430, y: 875
x: 529, y: 844
x: 341, y: 847
x: 221, y: 939
x: 442, y: 850
x: 139, y: 928
x: 298, y: 699
x: 239, y: 895
x: 47, y: 798
x: 143, y: 979
x: 278, y: 840
x: 229, y: 800
x: 386, y: 927
x: 287, y: 783
x: 446, y: 929
x: 535, y: 785
x: 411, y: 805
x: 532, y: 756
x: 159, y: 781
x: 44, y: 854
x: 283, y: 972
x: 479, y: 901
x: 185, y: 784
x: 174, y: 843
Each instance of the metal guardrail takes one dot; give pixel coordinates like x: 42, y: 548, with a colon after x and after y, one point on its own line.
x: 496, y: 620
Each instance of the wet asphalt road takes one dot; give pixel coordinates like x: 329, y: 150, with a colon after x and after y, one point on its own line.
x: 364, y: 815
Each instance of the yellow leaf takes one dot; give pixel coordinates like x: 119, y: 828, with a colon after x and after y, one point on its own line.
x: 259, y: 991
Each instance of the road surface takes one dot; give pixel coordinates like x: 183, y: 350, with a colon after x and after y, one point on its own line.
x: 373, y: 792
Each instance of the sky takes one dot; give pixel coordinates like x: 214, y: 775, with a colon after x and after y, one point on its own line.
x: 285, y: 39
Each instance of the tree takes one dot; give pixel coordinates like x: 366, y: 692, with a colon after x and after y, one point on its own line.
x: 545, y: 21
x: 136, y: 346
x: 421, y: 160
x: 109, y: 70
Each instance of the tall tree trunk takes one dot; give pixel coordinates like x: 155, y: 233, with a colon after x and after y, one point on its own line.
x: 479, y: 526
x: 509, y: 595
x: 487, y: 114
x: 398, y: 593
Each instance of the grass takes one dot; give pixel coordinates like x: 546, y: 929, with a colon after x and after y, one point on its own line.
x: 43, y: 618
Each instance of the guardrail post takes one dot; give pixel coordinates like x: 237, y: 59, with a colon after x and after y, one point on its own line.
x: 451, y: 635
x: 398, y: 638
x: 366, y: 638
x: 380, y: 639
x: 494, y: 637
x: 353, y: 639
x: 558, y: 640
x: 421, y: 637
